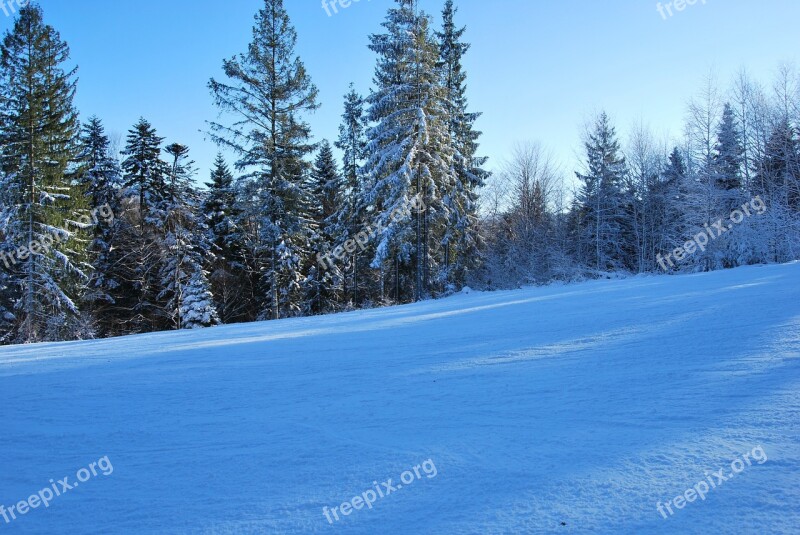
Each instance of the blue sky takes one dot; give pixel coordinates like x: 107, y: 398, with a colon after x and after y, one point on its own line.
x: 538, y: 68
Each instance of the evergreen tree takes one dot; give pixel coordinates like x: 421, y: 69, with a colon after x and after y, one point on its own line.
x: 230, y: 284
x: 602, y: 205
x: 197, y: 308
x: 101, y: 181
x: 411, y: 153
x: 145, y: 182
x: 353, y: 144
x: 181, y: 274
x: 324, y: 283
x: 675, y: 224
x: 267, y: 91
x: 144, y: 172
x: 460, y: 241
x: 728, y: 160
x: 41, y: 203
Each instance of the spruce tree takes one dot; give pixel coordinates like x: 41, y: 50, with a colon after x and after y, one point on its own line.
x: 101, y: 181
x: 38, y: 135
x: 230, y: 284
x: 676, y: 225
x: 197, y: 308
x: 323, y: 286
x: 603, y: 218
x: 266, y: 95
x: 728, y: 161
x: 145, y: 183
x: 145, y: 172
x: 181, y: 274
x: 353, y: 144
x: 411, y: 153
x: 461, y: 239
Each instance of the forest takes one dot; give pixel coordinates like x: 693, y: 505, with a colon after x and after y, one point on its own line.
x: 99, y: 241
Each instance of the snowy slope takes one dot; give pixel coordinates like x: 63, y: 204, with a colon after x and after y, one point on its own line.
x: 583, y: 405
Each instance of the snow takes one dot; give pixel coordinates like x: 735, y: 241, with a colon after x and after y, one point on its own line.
x: 581, y: 404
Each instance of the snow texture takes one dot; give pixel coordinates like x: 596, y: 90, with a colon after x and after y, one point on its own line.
x: 566, y: 409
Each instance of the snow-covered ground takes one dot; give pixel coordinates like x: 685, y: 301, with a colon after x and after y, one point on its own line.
x: 571, y: 409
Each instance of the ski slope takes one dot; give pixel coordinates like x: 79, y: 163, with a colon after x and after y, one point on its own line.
x: 566, y: 409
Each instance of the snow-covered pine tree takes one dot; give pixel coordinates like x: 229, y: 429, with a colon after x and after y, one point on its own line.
x: 672, y: 221
x: 145, y: 186
x: 197, y: 308
x: 145, y: 172
x: 461, y: 239
x: 728, y: 159
x: 38, y: 133
x: 231, y: 284
x: 603, y: 218
x: 410, y: 151
x: 181, y: 269
x: 323, y: 287
x: 101, y: 180
x: 350, y: 218
x: 267, y: 92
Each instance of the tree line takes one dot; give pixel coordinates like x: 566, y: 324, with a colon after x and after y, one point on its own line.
x: 286, y: 229
x: 248, y: 246
x: 637, y: 204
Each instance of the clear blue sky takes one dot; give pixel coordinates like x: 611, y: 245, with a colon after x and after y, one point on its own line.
x: 538, y: 68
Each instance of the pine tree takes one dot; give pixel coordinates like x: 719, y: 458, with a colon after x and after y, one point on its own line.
x: 38, y: 133
x: 411, y: 153
x: 230, y: 284
x: 181, y: 274
x: 197, y: 308
x: 728, y: 159
x: 267, y: 91
x: 353, y: 144
x: 324, y: 288
x: 144, y: 181
x: 101, y: 181
x: 602, y: 205
x: 144, y: 172
x: 675, y: 224
x: 461, y: 240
